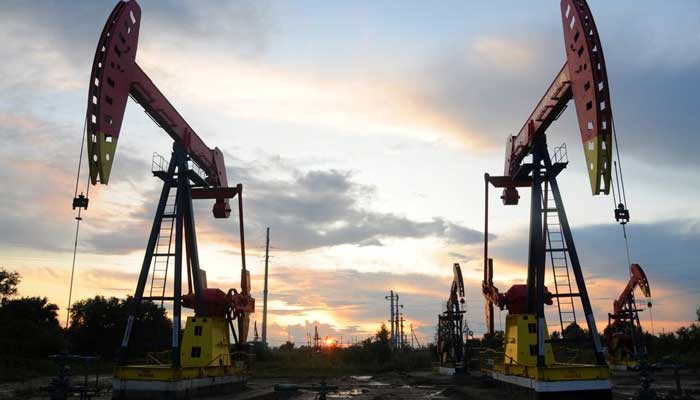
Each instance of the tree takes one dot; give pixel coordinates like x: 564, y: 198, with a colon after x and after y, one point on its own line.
x: 574, y: 333
x: 382, y: 350
x: 29, y: 327
x: 8, y: 283
x: 382, y: 335
x: 494, y: 341
x: 97, y: 326
x: 697, y: 312
x: 288, y: 346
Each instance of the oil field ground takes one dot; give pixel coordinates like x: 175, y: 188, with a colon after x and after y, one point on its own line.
x: 394, y: 386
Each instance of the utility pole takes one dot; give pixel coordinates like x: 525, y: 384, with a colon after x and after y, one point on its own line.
x: 264, y: 322
x: 391, y: 308
x: 412, y: 335
x: 396, y: 321
x: 401, y: 336
x: 317, y: 339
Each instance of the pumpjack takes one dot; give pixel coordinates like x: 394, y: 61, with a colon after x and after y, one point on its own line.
x: 623, y: 335
x: 202, y: 360
x: 528, y: 358
x: 450, y: 341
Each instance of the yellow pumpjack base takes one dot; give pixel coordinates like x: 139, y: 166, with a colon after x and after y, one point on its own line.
x: 518, y: 366
x: 206, y: 368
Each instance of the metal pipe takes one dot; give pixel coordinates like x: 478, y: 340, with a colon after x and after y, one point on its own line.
x: 244, y: 282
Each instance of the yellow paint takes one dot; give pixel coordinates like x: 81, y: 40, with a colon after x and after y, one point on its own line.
x: 101, y: 150
x: 211, y: 337
x: 518, y: 360
x: 521, y: 341
x: 169, y: 373
x: 598, y: 151
x: 205, y: 343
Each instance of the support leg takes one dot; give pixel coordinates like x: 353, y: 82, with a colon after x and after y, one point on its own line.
x: 576, y: 267
x: 177, y: 282
x: 191, y: 242
x: 146, y: 265
x: 536, y: 256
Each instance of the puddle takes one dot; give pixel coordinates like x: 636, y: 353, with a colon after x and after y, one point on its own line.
x: 440, y: 394
x: 361, y: 378
x: 346, y: 394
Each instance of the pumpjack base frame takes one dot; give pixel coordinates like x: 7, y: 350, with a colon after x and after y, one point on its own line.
x: 570, y: 381
x: 517, y: 366
x: 164, y: 382
x: 530, y: 388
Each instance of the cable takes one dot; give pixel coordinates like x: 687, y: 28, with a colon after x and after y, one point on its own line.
x: 627, y: 246
x: 614, y: 197
x: 619, y: 160
x: 72, y: 272
x: 78, y: 218
x: 80, y: 159
x: 622, y: 195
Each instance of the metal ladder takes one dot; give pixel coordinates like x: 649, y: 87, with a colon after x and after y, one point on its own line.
x: 556, y: 247
x: 163, y: 251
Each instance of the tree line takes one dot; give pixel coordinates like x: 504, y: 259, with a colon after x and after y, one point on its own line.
x: 31, y: 330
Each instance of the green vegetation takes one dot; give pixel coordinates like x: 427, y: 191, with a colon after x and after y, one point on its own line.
x: 8, y: 283
x: 681, y: 346
x: 97, y: 326
x: 31, y: 333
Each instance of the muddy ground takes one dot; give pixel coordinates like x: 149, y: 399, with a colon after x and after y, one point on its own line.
x: 427, y: 385
x: 394, y: 386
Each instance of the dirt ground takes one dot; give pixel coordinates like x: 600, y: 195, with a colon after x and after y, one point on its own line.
x: 394, y: 386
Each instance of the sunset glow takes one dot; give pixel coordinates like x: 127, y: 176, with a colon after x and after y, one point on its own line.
x: 363, y: 148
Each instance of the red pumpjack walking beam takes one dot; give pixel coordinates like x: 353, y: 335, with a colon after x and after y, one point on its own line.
x: 116, y: 76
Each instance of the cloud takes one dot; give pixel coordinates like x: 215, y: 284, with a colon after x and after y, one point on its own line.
x: 667, y: 251
x: 476, y: 89
x: 500, y: 72
x: 460, y: 257
x: 308, y: 209
x: 322, y: 208
x: 35, y: 164
x: 242, y: 28
x: 345, y: 302
x: 663, y: 248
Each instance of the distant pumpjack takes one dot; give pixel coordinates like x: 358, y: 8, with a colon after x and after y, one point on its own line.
x: 317, y: 340
x: 450, y: 343
x: 623, y: 335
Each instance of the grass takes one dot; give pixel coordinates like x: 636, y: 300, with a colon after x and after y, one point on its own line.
x: 335, y: 362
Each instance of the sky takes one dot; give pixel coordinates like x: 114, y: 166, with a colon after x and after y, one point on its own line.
x: 360, y: 132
